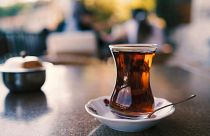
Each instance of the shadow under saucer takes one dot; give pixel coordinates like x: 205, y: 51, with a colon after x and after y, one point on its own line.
x: 103, y: 130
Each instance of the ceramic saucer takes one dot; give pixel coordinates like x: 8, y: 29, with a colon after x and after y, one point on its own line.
x: 98, y: 109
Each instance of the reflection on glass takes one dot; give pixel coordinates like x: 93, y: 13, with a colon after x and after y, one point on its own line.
x: 25, y: 106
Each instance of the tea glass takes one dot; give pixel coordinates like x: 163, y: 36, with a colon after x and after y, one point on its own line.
x: 132, y: 95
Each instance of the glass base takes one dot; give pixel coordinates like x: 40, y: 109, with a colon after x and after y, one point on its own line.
x: 130, y: 115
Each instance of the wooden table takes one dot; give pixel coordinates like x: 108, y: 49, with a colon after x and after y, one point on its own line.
x: 59, y: 109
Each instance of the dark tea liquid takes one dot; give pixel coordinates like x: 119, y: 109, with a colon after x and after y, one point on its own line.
x: 132, y: 95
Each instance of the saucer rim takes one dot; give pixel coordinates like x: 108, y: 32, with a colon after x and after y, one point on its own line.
x: 172, y: 110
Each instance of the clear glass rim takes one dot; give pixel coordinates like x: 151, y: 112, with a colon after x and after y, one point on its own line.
x: 134, y: 47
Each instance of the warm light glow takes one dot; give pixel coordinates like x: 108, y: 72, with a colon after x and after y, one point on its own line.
x: 145, y: 79
x: 120, y: 9
x: 149, y: 5
x: 148, y: 59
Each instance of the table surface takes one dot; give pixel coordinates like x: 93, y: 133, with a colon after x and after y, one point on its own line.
x: 58, y: 110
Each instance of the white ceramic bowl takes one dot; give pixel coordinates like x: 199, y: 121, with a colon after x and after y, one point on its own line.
x: 18, y: 78
x: 98, y: 109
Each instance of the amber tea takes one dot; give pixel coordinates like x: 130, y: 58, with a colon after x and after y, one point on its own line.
x: 132, y: 95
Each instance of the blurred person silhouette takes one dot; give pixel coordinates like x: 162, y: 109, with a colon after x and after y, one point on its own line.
x: 141, y: 28
x: 82, y: 16
x: 84, y: 19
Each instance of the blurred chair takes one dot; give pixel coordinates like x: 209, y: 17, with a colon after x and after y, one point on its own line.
x: 32, y: 43
x: 83, y: 43
x: 4, y: 47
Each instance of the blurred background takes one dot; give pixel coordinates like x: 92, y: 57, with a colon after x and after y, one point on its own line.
x: 78, y: 31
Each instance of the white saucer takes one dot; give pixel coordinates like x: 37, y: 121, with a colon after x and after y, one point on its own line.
x: 98, y: 109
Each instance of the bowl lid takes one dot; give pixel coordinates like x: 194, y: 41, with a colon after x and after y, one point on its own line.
x: 22, y: 64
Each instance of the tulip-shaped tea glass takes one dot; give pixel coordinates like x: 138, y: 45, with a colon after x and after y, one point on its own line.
x: 132, y: 95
